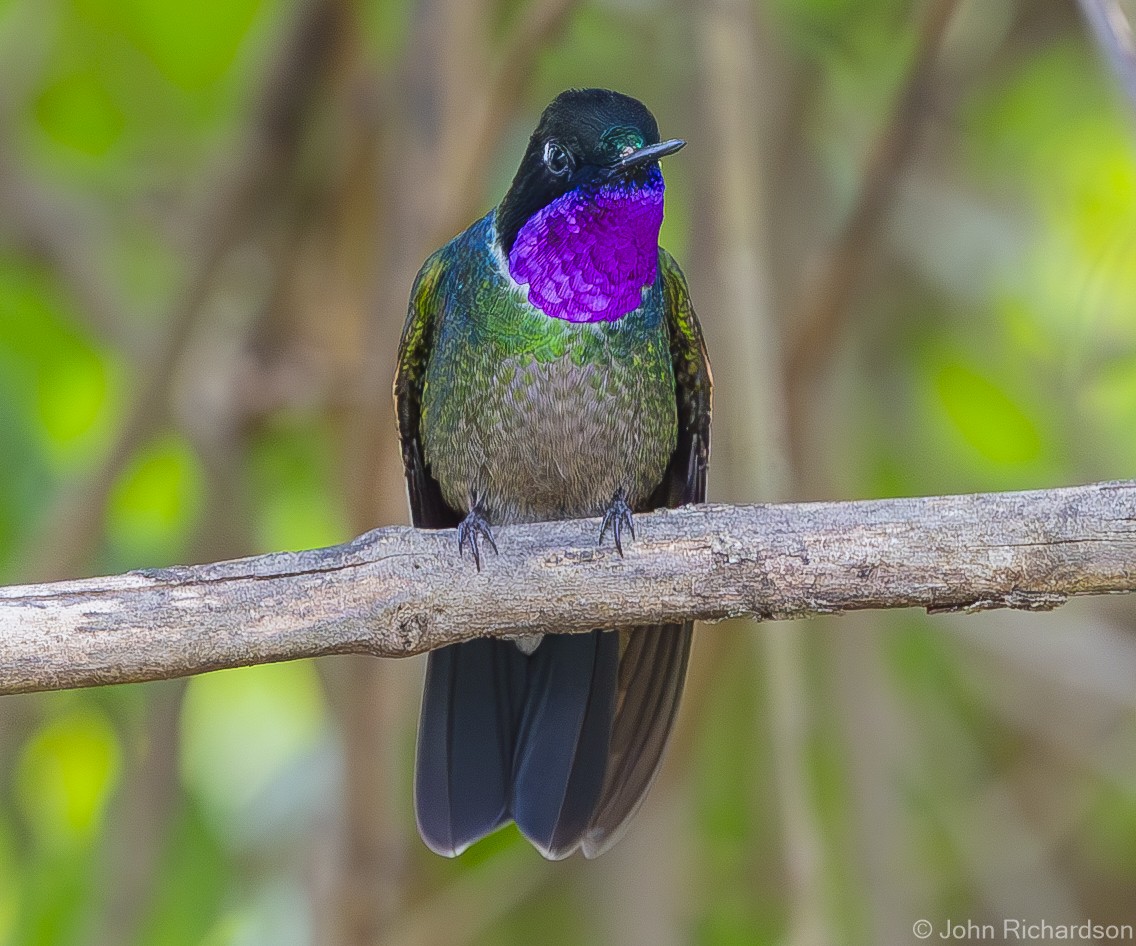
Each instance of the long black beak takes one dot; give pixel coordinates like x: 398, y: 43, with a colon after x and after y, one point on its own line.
x: 650, y: 153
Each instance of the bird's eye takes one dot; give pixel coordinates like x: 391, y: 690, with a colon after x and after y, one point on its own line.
x: 556, y: 159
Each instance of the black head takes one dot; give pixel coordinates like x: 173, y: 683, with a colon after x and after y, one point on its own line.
x: 585, y: 138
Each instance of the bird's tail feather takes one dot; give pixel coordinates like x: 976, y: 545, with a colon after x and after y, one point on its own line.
x: 562, y: 745
x: 471, y: 703
x: 504, y: 736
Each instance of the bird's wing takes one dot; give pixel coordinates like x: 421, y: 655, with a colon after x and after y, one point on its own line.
x: 652, y: 665
x: 473, y: 691
x: 685, y: 479
x: 427, y: 507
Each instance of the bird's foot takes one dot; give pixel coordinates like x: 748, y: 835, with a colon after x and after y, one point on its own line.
x: 472, y: 529
x: 617, y: 516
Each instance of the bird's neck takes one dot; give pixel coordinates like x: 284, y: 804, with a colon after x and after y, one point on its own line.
x: 586, y: 257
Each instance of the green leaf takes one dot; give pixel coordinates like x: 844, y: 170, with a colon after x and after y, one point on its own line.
x: 292, y: 477
x: 77, y: 112
x: 156, y: 500
x: 63, y: 383
x: 72, y: 396
x: 192, y: 42
x: 986, y: 415
x: 65, y: 775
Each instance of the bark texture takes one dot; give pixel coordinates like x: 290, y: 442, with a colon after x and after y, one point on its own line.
x: 400, y: 591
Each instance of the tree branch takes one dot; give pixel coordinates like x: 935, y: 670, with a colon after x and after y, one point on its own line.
x: 399, y: 591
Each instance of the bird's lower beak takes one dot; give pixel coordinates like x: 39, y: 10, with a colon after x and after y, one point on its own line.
x: 650, y: 153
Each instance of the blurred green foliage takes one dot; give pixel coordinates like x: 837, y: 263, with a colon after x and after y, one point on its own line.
x: 241, y: 729
x: 992, y: 347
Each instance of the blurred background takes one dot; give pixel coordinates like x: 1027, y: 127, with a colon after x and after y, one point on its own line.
x: 909, y: 227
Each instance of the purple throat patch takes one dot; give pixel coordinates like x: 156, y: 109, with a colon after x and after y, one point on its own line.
x: 586, y: 257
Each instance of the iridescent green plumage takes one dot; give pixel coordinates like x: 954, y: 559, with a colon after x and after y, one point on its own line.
x: 506, y: 412
x: 541, y: 417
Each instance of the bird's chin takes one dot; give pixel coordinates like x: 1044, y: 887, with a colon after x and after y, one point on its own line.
x: 640, y: 176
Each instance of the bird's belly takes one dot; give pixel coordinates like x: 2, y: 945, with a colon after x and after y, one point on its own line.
x: 557, y: 439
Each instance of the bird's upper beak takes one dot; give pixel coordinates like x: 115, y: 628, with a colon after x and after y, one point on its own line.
x: 641, y: 156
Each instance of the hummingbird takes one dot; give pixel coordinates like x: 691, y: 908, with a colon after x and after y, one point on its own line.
x: 552, y: 367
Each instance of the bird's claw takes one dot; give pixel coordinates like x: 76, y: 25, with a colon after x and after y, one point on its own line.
x: 617, y: 516
x: 472, y: 526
